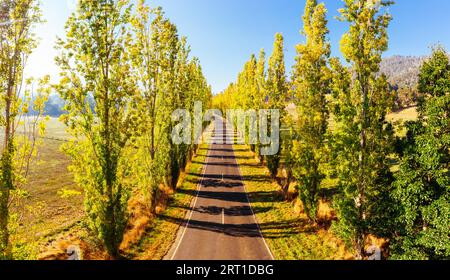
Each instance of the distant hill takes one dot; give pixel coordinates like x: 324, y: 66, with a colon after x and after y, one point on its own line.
x: 402, y: 71
x: 54, y: 106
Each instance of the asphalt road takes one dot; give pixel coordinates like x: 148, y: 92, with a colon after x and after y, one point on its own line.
x: 221, y: 224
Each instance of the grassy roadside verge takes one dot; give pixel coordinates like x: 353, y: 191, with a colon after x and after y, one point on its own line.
x: 162, y: 232
x: 288, y: 233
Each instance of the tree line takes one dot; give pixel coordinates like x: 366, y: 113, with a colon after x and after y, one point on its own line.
x: 124, y: 69
x: 339, y: 131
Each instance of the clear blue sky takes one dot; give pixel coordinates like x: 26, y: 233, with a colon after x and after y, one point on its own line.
x: 224, y: 33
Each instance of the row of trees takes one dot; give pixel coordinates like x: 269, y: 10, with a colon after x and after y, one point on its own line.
x: 138, y: 71
x: 124, y: 71
x: 339, y: 131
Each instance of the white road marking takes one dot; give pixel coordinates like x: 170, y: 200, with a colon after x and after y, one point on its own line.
x: 223, y: 209
x: 223, y: 216
x: 253, y: 214
x: 199, y: 185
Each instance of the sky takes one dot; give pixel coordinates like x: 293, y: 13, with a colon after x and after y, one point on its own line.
x: 224, y: 33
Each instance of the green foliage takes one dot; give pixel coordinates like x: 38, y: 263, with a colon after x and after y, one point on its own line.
x: 311, y: 79
x: 95, y: 63
x: 362, y: 137
x: 422, y: 187
x: 17, y: 42
x: 277, y: 88
x: 248, y: 93
x: 169, y: 80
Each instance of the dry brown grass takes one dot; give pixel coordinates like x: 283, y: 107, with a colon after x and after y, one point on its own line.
x: 140, y: 218
x: 409, y: 114
x: 78, y: 237
x: 325, y: 214
x: 44, y: 211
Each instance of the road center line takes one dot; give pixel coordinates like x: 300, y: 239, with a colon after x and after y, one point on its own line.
x: 223, y: 216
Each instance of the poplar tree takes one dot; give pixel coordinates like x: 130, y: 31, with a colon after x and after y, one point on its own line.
x: 250, y: 91
x: 363, y: 137
x: 310, y: 83
x: 185, y: 97
x: 261, y: 93
x: 95, y: 63
x: 19, y: 130
x: 250, y: 86
x: 422, y: 186
x: 276, y: 91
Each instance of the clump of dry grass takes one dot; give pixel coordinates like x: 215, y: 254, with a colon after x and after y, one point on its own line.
x: 76, y: 237
x: 140, y: 218
x: 325, y: 214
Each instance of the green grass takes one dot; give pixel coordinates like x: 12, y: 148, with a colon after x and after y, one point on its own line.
x: 56, y: 130
x: 400, y: 117
x: 288, y: 233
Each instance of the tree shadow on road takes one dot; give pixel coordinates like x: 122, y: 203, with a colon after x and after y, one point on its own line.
x: 271, y: 230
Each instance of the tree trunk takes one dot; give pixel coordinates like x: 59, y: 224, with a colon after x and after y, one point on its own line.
x: 4, y: 217
x: 362, y: 167
x: 286, y: 185
x: 7, y: 177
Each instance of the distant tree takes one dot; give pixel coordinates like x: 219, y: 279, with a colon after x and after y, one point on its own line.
x: 311, y: 79
x: 422, y: 186
x: 95, y: 62
x: 362, y: 136
x: 261, y: 92
x: 250, y: 89
x: 406, y: 97
x: 19, y: 132
x: 277, y: 92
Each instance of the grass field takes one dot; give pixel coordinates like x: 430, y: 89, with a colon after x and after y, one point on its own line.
x: 45, y: 210
x: 401, y: 117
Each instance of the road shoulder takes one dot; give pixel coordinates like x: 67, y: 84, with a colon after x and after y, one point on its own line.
x: 286, y: 230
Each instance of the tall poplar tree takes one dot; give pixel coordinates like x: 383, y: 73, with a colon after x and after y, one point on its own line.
x: 261, y: 93
x: 17, y: 42
x: 422, y: 187
x: 95, y: 63
x: 277, y: 92
x: 363, y: 137
x: 310, y: 83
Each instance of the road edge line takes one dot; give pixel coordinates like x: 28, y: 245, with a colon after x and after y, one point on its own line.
x: 251, y: 208
x: 199, y: 185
